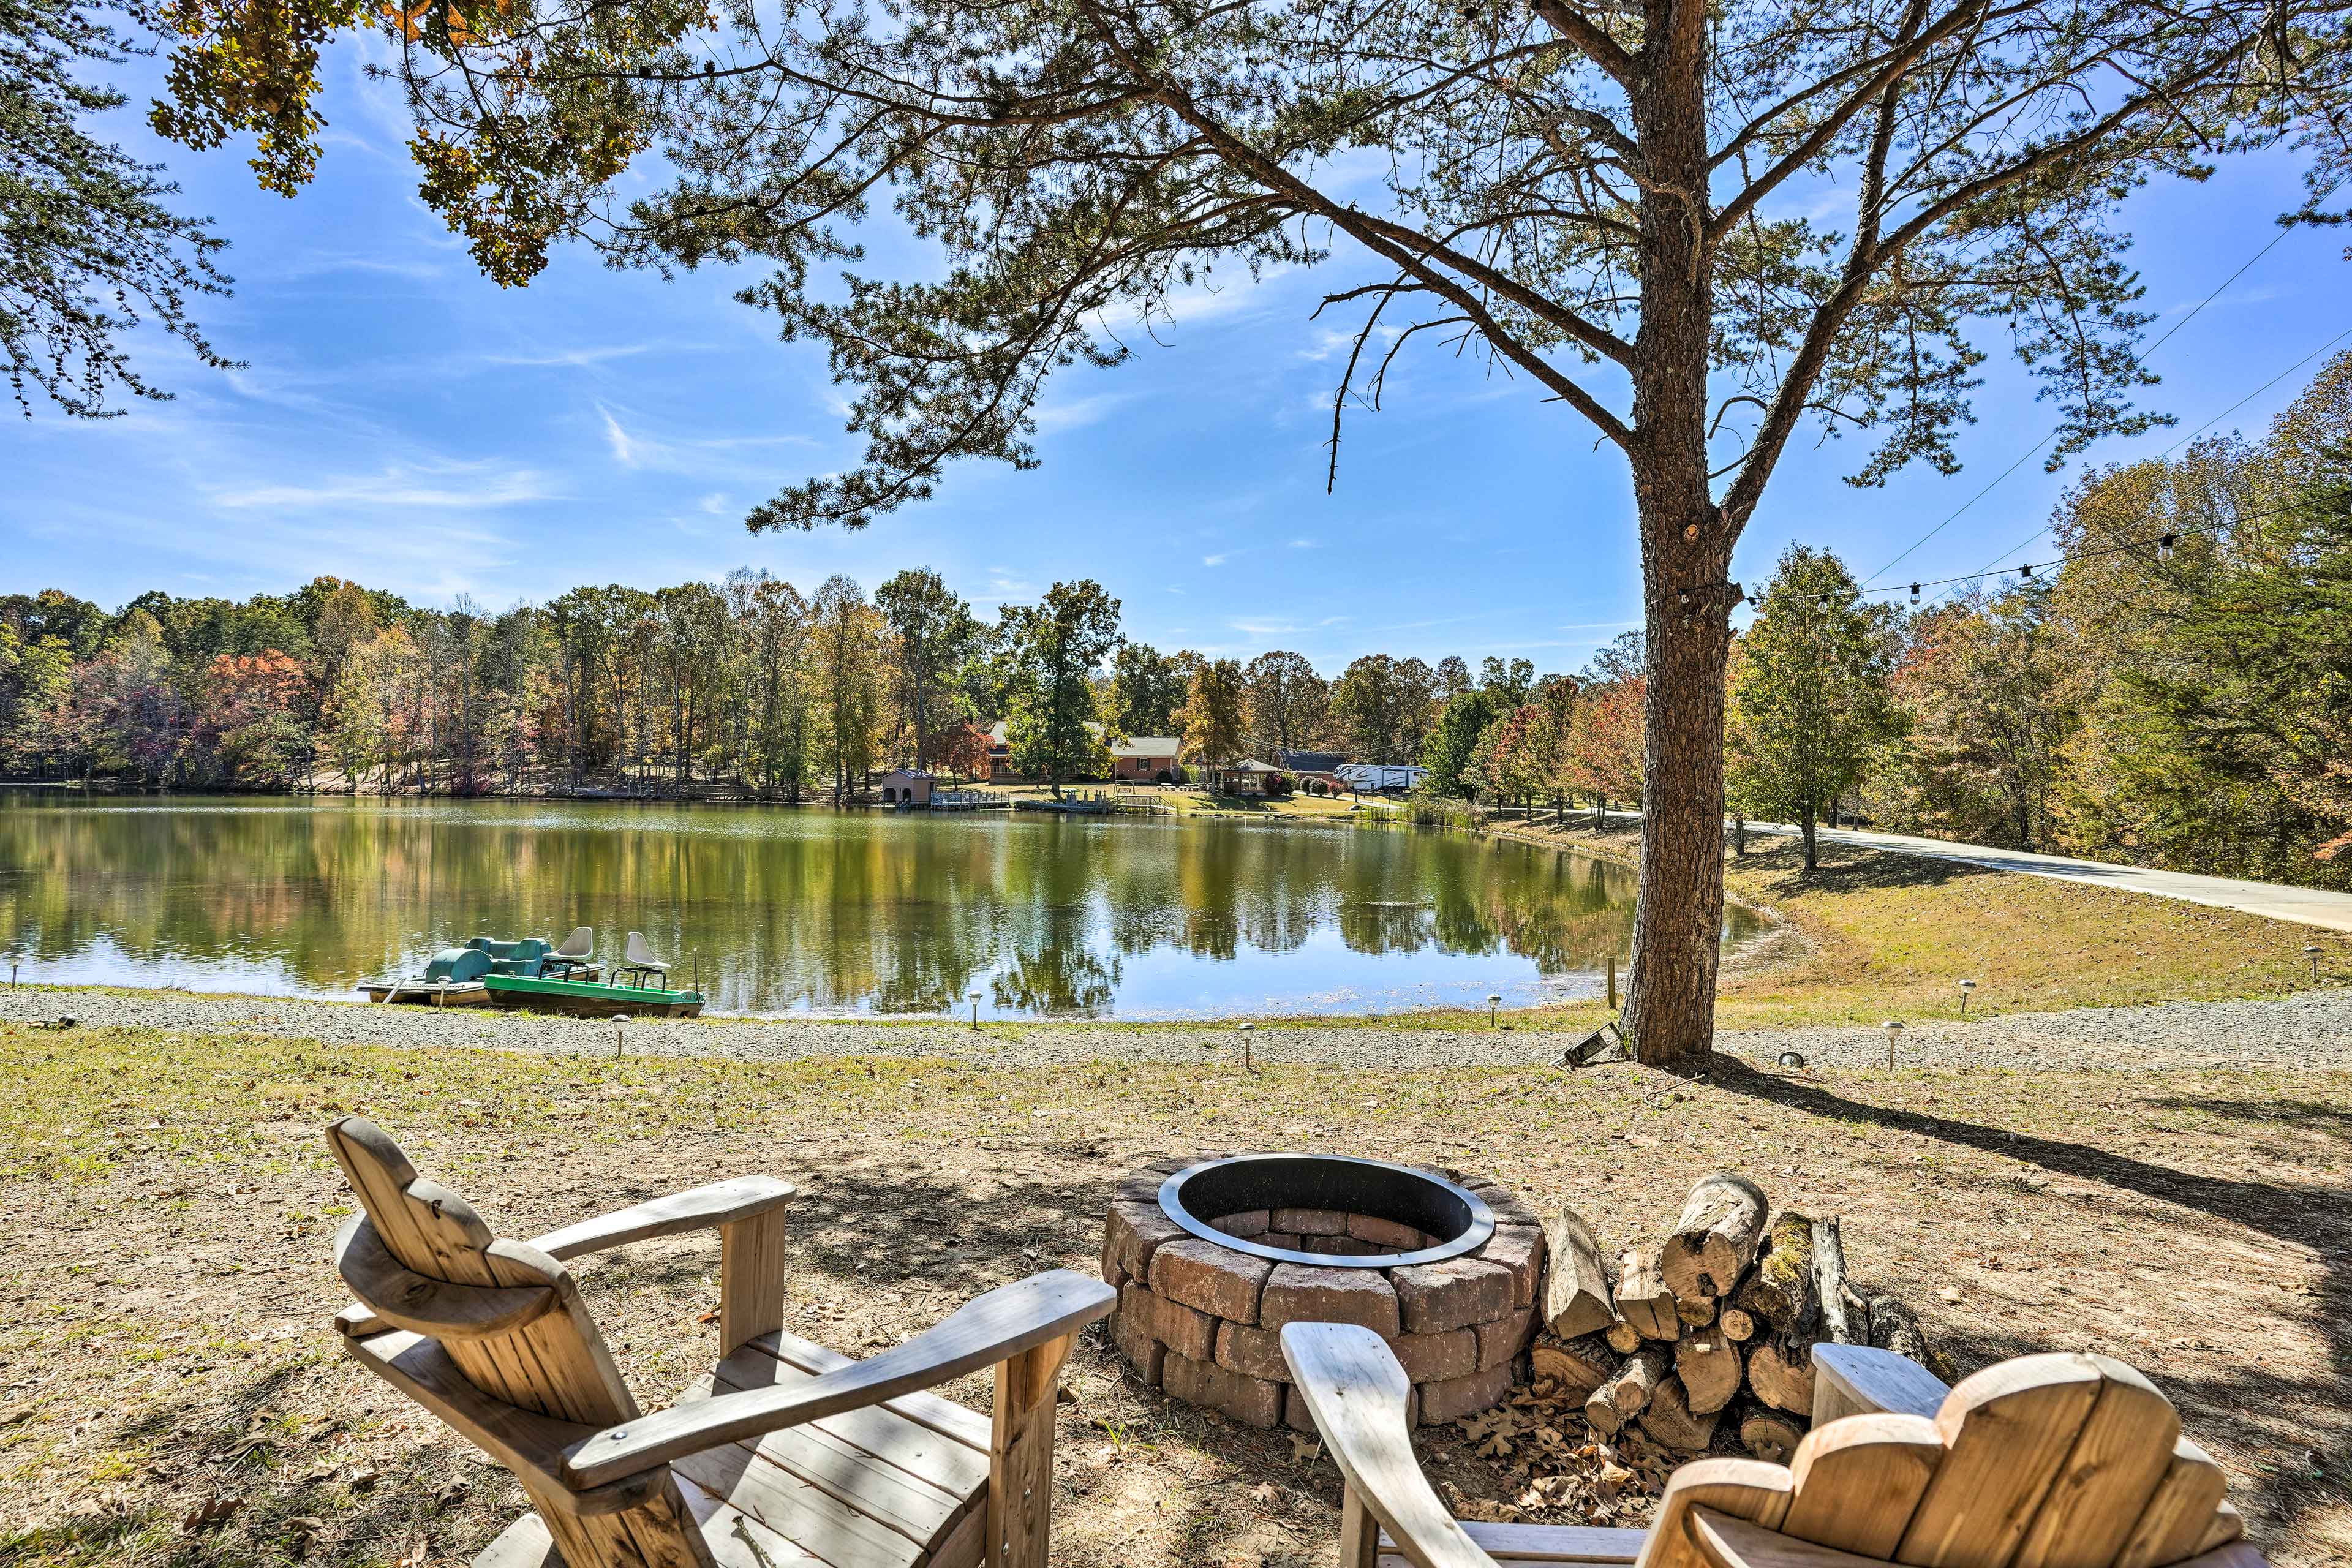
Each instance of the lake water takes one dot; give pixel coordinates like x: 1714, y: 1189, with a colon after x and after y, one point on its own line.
x: 805, y: 911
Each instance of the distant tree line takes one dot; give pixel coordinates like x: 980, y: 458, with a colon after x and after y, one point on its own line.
x: 746, y: 686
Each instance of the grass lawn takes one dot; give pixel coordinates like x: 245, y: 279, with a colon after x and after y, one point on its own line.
x: 171, y: 1393
x: 1871, y: 936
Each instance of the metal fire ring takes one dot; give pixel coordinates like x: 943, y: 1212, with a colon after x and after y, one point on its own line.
x: 1245, y: 1182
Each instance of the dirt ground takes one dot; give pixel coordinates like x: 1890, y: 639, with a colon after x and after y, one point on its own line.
x: 171, y: 1393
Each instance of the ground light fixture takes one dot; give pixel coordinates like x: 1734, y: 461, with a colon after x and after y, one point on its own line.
x: 1245, y: 1031
x: 1494, y: 1009
x: 1966, y: 987
x: 1894, y: 1028
x: 2311, y: 953
x: 618, y: 1020
x: 974, y: 999
x: 15, y: 958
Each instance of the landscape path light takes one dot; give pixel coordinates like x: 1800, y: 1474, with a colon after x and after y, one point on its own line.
x: 618, y: 1019
x: 1494, y: 1009
x: 2311, y: 953
x: 1966, y: 987
x: 15, y: 958
x: 1249, y: 1064
x: 1894, y: 1028
x: 975, y: 1009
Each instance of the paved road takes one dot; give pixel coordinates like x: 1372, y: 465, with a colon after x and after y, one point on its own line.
x: 2304, y: 906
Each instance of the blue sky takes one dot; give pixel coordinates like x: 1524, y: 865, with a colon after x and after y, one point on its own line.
x: 406, y: 423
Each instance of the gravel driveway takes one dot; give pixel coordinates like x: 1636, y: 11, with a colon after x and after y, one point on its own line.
x: 2312, y: 1030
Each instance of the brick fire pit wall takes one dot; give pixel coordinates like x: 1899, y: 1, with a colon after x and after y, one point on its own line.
x: 1202, y: 1322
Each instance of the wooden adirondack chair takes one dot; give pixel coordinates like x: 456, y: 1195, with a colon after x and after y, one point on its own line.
x: 2048, y: 1461
x: 787, y: 1454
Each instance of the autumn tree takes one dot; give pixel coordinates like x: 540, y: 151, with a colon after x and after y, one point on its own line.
x: 1606, y: 738
x: 1057, y: 645
x: 1814, y: 704
x: 1216, y: 713
x: 846, y: 649
x: 932, y: 633
x: 1989, y: 688
x: 1288, y: 702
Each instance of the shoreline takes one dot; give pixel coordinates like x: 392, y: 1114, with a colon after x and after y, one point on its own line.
x: 2309, y: 1031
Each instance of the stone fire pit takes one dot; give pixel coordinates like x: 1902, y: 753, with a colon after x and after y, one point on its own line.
x: 1211, y: 1258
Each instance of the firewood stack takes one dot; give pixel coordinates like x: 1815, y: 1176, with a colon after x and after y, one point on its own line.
x: 1706, y: 1335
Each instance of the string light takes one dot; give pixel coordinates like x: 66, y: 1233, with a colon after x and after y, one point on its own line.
x: 2163, y: 543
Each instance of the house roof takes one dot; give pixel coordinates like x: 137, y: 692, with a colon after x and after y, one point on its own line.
x: 1249, y: 766
x: 1311, y: 761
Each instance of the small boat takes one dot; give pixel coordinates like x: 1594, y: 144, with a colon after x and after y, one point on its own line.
x: 588, y: 999
x: 532, y: 975
x: 453, y: 979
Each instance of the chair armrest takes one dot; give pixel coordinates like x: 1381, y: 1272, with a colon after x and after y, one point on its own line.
x: 990, y: 1328
x: 1855, y: 1380
x: 720, y: 1203
x: 1356, y: 1392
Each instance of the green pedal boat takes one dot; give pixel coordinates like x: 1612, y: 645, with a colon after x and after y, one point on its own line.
x: 530, y: 974
x: 591, y: 999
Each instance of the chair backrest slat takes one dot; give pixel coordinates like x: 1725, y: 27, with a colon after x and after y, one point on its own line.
x: 2179, y: 1514
x: 1856, y: 1482
x: 556, y: 1364
x: 2118, y: 1460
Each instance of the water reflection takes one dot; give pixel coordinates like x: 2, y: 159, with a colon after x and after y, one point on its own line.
x: 813, y: 911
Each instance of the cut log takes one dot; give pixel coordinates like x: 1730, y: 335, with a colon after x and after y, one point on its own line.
x: 1708, y: 1365
x: 1780, y: 1291
x: 1644, y: 1297
x: 1695, y: 1313
x: 1673, y: 1424
x: 1623, y: 1337
x: 1895, y: 1327
x: 1577, y: 1365
x: 1576, y: 1284
x: 1716, y: 1237
x: 1630, y: 1389
x: 1602, y: 1416
x: 1781, y: 1373
x: 1768, y: 1434
x: 1830, y: 1286
x: 1738, y: 1326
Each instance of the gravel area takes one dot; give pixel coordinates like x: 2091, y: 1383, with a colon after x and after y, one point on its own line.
x: 2312, y: 1030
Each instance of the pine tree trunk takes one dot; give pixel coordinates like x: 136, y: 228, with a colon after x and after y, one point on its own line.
x: 1813, y: 859
x: 1670, y: 1001
x: 1687, y: 543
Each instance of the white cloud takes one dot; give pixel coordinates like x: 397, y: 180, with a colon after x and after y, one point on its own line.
x: 1217, y: 560
x: 1073, y: 413
x: 448, y: 485
x: 625, y: 451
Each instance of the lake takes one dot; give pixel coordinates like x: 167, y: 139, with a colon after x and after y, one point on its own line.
x: 813, y: 911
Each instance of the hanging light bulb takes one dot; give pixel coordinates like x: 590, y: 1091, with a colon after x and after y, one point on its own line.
x: 2027, y: 569
x: 1915, y: 593
x: 2164, y: 546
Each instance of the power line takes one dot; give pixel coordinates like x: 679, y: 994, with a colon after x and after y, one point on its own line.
x: 2183, y: 440
x: 2137, y: 360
